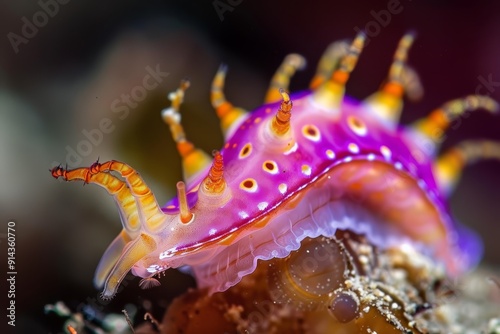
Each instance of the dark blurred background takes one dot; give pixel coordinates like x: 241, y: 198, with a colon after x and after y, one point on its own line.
x: 64, y: 78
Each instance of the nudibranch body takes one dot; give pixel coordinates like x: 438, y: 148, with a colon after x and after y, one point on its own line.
x: 302, y: 165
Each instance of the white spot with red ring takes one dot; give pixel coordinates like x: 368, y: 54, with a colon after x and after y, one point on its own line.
x: 249, y: 185
x: 270, y: 166
x: 357, y: 126
x: 245, y: 151
x: 311, y: 132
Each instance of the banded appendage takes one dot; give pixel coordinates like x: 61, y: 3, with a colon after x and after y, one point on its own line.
x: 330, y: 93
x: 439, y: 120
x: 281, y: 121
x: 428, y: 133
x: 339, y: 61
x: 228, y: 114
x: 449, y: 166
x: 281, y: 79
x: 277, y: 132
x: 194, y: 160
x: 213, y: 191
x: 329, y: 62
x: 387, y: 103
x: 214, y: 182
x: 140, y: 214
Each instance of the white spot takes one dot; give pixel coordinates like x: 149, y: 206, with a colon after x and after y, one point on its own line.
x: 407, y: 248
x: 243, y: 214
x: 353, y: 148
x: 347, y: 159
x: 371, y: 157
x: 282, y: 188
x: 172, y: 114
x: 292, y: 149
x: 386, y: 152
x: 167, y: 253
x: 212, y: 231
x: 306, y: 170
x: 330, y: 154
x: 398, y: 165
x: 262, y: 205
x: 152, y: 268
